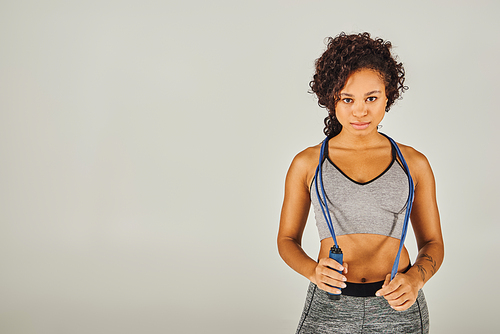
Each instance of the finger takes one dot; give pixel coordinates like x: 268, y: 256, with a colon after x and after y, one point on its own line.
x: 333, y: 282
x: 400, y: 295
x: 401, y: 305
x: 387, y: 280
x: 392, y: 291
x: 338, y: 281
x: 345, y: 267
x: 387, y: 287
x: 327, y: 279
x: 395, y: 296
x: 330, y: 285
x: 330, y: 289
x: 329, y: 272
x: 331, y: 263
x: 325, y: 270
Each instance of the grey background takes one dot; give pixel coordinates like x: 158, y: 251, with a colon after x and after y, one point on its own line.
x: 144, y: 145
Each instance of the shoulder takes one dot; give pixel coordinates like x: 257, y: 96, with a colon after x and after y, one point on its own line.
x: 304, y: 165
x: 418, y: 164
x: 412, y: 155
x: 307, y: 157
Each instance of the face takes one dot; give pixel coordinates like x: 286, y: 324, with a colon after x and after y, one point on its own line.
x: 362, y: 102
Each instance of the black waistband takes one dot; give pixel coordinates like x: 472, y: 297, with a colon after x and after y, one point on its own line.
x: 365, y: 289
x: 362, y: 289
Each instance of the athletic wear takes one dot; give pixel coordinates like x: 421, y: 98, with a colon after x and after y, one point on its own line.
x: 377, y: 206
x: 360, y: 315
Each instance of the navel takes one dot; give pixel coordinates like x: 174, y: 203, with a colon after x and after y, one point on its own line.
x: 363, y: 280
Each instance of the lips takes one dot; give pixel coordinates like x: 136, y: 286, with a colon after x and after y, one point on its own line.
x: 360, y: 125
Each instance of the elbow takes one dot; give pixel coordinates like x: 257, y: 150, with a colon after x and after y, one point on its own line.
x: 284, y: 243
x: 281, y: 245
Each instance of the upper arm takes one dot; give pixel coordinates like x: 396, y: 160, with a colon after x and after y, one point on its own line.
x: 424, y: 215
x: 297, y: 202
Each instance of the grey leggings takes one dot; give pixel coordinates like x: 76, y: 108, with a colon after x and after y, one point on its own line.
x: 360, y: 315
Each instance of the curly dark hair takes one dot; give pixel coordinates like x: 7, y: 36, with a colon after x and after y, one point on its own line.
x: 346, y: 54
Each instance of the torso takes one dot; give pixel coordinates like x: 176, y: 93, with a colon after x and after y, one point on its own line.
x: 369, y: 256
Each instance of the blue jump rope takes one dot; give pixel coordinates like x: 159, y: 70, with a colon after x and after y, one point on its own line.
x: 335, y: 251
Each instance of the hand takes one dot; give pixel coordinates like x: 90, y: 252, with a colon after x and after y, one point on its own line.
x: 400, y: 293
x: 328, y: 279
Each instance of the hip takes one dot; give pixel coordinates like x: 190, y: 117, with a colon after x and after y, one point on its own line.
x: 351, y: 314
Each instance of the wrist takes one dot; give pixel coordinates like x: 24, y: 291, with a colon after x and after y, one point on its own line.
x: 416, y: 278
x: 311, y: 276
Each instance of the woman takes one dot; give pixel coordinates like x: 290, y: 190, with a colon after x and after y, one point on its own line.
x: 366, y: 189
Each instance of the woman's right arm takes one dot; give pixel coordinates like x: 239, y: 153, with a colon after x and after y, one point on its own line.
x: 293, y: 220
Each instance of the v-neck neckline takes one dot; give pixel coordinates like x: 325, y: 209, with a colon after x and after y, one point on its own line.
x: 393, y: 153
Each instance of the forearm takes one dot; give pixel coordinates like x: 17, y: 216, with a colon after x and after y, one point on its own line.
x: 429, y: 259
x: 292, y: 253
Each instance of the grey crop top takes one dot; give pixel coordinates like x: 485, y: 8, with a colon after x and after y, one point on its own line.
x: 377, y: 206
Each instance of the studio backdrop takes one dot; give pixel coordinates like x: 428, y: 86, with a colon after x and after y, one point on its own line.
x: 144, y: 147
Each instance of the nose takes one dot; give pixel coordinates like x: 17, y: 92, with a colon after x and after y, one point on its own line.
x: 359, y: 109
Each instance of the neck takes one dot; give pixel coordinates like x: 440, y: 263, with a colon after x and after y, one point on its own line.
x: 359, y: 142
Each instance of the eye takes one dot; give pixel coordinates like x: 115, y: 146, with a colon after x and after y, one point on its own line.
x: 371, y: 99
x: 347, y: 100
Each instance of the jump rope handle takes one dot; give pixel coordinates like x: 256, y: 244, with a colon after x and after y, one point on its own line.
x: 336, y: 254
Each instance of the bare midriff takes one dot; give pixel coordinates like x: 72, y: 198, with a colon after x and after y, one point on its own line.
x: 369, y: 257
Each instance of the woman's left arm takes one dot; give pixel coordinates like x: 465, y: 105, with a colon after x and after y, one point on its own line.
x: 402, y: 291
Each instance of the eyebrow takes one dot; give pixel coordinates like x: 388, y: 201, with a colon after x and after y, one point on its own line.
x: 369, y: 93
